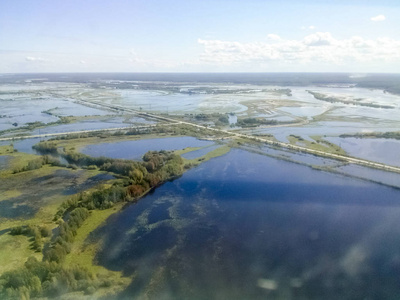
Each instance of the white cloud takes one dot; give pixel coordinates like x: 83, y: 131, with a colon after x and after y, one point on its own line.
x: 319, y: 39
x: 311, y: 27
x: 378, y: 18
x: 132, y: 52
x: 25, y: 61
x: 319, y: 48
x: 32, y: 58
x: 273, y: 37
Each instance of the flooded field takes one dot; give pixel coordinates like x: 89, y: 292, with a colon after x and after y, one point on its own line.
x: 24, y: 103
x: 380, y: 150
x: 112, y: 122
x: 136, y: 149
x: 24, y: 145
x: 216, y: 215
x: 4, y: 161
x: 42, y: 189
x: 295, y: 110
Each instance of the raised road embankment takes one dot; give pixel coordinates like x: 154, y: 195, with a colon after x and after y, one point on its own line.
x: 171, y: 121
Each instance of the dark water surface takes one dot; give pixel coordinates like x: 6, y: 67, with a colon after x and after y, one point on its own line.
x: 24, y: 145
x: 40, y: 191
x: 136, y: 149
x: 4, y: 161
x: 246, y: 226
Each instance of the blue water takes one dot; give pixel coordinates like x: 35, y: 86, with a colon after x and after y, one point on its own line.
x: 25, y: 145
x: 4, y: 161
x: 34, y: 196
x: 116, y: 122
x: 380, y: 150
x: 246, y: 226
x: 136, y: 149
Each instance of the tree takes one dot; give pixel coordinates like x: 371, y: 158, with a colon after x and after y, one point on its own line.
x: 136, y: 176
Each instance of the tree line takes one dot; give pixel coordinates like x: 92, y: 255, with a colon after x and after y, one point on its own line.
x: 50, y: 278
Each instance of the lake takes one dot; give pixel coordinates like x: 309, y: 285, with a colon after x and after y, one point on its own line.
x: 247, y: 226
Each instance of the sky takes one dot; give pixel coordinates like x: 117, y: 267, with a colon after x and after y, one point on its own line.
x: 199, y: 36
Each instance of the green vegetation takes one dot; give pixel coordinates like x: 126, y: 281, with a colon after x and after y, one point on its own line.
x: 8, y: 149
x: 83, y: 252
x: 16, y: 161
x: 388, y: 83
x: 221, y: 120
x: 80, y: 214
x: 35, y: 233
x: 217, y: 119
x: 61, y: 246
x: 25, y: 236
x: 40, y: 191
x: 287, y: 91
x: 9, y: 194
x: 333, y: 147
x: 46, y: 147
x: 189, y: 163
x: 37, y: 124
x: 254, y: 122
x: 331, y: 99
x: 177, y: 88
x: 319, y: 144
x: 51, y: 277
x: 379, y: 135
x: 14, y: 250
x: 47, y: 279
x: 82, y: 139
x: 39, y: 162
x: 215, y: 153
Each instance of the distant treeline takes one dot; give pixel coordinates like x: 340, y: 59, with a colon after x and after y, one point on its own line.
x: 331, y: 99
x: 160, y: 129
x: 254, y: 122
x: 388, y: 82
x: 36, y: 124
x: 382, y: 135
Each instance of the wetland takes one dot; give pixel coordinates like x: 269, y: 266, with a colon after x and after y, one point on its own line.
x: 169, y: 203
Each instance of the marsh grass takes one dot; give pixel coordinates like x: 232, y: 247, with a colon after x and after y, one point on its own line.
x: 14, y: 250
x: 318, y: 144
